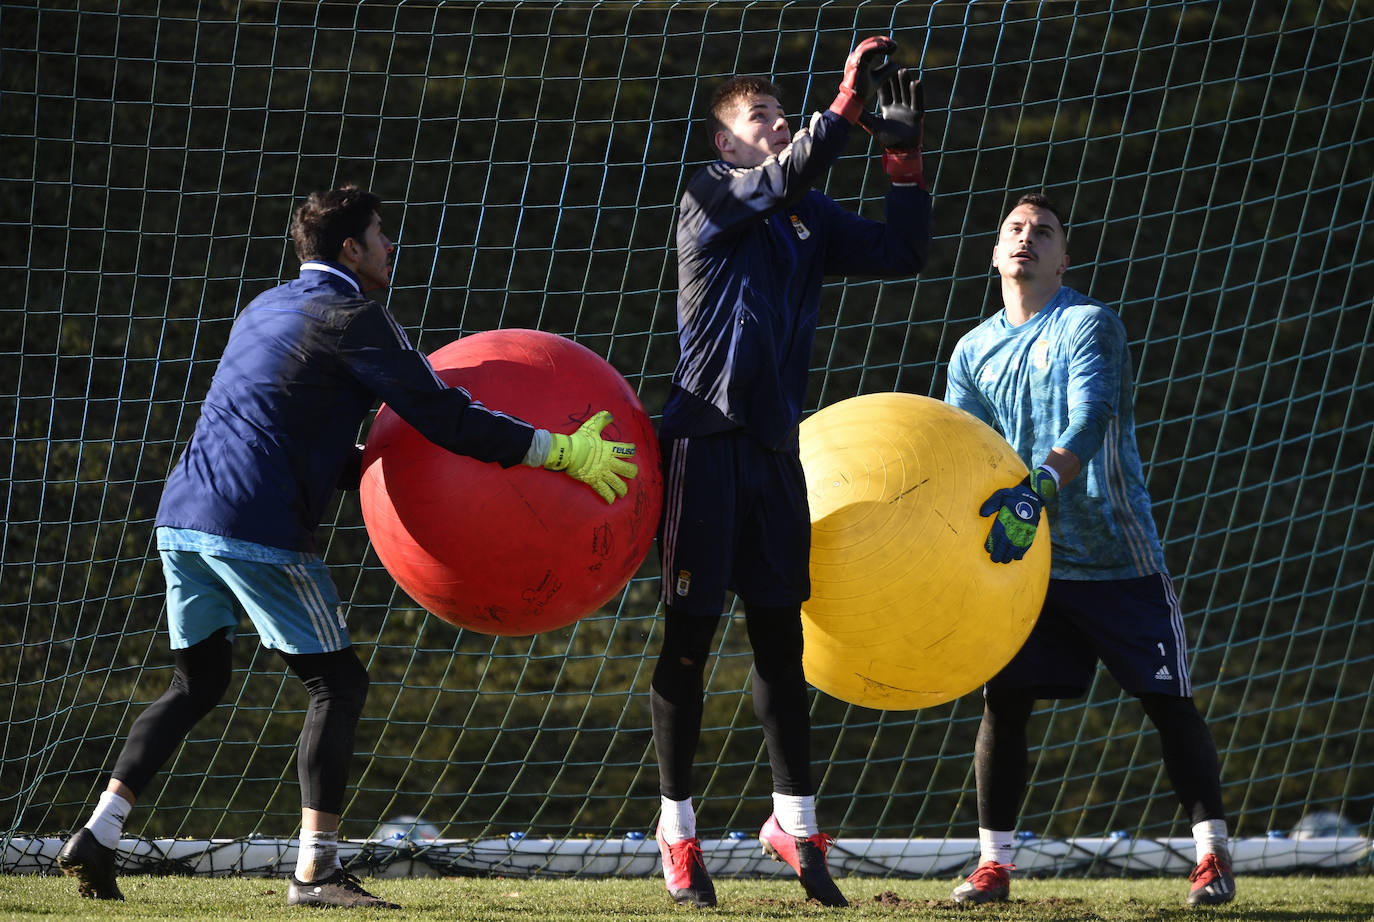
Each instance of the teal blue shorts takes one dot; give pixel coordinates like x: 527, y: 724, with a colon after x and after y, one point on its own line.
x: 294, y: 606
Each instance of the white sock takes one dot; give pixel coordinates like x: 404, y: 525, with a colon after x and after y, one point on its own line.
x: 677, y: 820
x: 1209, y: 837
x: 107, y: 822
x: 796, y: 815
x: 318, y: 855
x: 996, y: 845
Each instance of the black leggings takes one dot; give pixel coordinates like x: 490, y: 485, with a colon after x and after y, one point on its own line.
x: 1190, y: 756
x: 781, y: 701
x: 198, y: 682
x: 337, y: 684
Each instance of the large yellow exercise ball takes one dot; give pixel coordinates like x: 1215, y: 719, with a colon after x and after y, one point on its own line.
x: 907, y: 610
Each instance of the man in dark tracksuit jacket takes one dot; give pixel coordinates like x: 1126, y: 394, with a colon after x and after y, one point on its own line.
x: 755, y: 242
x: 304, y: 365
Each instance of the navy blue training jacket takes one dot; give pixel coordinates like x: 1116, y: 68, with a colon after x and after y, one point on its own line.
x: 277, y: 433
x: 754, y: 246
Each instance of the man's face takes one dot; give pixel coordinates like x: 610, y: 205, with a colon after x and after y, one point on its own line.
x: 1031, y: 245
x: 757, y: 131
x: 370, y: 257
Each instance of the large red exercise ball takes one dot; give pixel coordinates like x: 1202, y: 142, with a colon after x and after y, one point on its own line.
x: 907, y: 610
x: 520, y: 550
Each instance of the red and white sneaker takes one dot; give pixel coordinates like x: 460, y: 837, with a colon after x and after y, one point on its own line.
x: 806, y: 855
x: 684, y: 871
x: 1212, y: 881
x: 990, y: 882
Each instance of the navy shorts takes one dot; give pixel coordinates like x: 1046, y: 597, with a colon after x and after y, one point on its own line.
x: 1133, y: 626
x: 735, y: 517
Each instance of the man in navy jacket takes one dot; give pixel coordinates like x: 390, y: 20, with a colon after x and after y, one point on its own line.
x: 755, y: 242
x: 304, y: 365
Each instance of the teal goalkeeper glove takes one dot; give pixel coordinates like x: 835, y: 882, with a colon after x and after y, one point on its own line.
x: 585, y: 456
x: 1018, y: 513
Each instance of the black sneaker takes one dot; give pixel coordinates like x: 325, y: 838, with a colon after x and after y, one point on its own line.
x: 92, y: 864
x: 338, y: 889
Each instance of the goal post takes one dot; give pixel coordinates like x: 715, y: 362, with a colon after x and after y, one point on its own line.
x: 1214, y: 160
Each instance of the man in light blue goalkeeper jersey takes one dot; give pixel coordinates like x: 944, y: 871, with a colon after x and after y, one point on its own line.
x: 1052, y: 373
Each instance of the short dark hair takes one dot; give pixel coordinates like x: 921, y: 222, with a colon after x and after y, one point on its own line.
x: 728, y: 95
x: 1041, y: 200
x: 326, y: 219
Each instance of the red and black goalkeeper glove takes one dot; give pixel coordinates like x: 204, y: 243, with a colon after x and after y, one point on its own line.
x: 897, y: 127
x: 863, y: 71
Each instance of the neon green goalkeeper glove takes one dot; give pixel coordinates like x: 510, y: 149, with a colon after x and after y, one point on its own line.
x: 585, y: 456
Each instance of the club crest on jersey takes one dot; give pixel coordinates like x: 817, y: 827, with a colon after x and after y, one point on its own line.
x: 802, y: 230
x: 1040, y: 354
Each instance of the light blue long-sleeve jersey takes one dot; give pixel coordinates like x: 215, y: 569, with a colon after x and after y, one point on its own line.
x: 1063, y: 380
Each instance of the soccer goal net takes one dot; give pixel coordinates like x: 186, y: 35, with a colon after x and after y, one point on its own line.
x: 1214, y: 160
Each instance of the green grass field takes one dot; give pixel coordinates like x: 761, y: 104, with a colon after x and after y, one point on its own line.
x: 1261, y: 899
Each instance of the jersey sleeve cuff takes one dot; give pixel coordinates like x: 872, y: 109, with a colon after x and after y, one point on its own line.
x: 538, y: 451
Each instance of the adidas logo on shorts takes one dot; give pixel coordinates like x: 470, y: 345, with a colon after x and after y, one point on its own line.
x: 1164, y: 675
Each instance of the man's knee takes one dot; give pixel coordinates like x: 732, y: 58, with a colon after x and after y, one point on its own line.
x: 338, y: 679
x: 1007, y: 706
x: 775, y: 633
x: 202, y: 672
x: 687, y: 639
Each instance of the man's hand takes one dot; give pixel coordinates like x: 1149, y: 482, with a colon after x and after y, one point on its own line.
x: 902, y: 108
x: 863, y: 71
x: 1018, y: 513
x: 585, y: 456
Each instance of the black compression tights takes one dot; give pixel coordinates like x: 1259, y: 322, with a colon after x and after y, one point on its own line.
x: 1190, y: 757
x: 781, y: 702
x: 198, y: 682
x: 337, y: 684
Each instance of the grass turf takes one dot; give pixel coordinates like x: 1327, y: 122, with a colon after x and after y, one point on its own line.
x: 1260, y: 899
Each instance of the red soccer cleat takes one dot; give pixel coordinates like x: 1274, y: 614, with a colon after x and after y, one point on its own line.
x: 684, y: 872
x: 1212, y: 881
x: 990, y: 882
x: 806, y: 855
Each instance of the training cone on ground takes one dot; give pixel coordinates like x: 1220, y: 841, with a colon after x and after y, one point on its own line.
x: 520, y: 550
x: 907, y: 610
